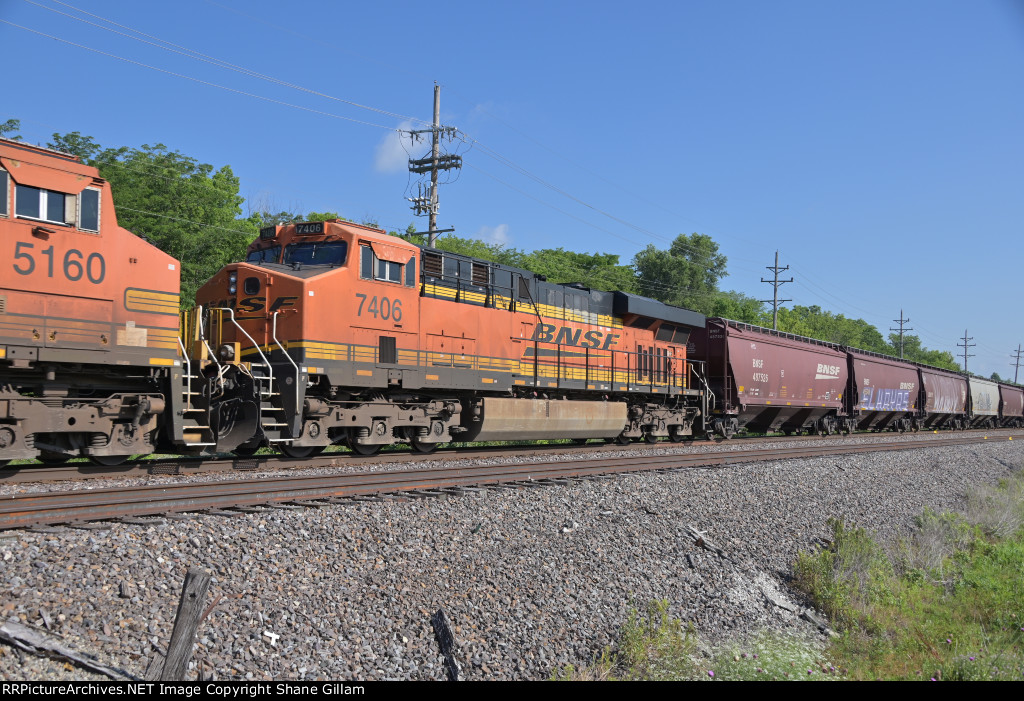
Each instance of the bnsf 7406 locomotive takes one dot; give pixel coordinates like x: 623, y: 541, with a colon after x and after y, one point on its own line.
x: 353, y: 336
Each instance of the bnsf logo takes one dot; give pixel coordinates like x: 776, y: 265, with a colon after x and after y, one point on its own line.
x: 249, y: 305
x: 828, y: 370
x: 545, y: 333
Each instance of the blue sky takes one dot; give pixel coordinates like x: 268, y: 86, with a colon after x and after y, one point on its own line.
x: 877, y: 145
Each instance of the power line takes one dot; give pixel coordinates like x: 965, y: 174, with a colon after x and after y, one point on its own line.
x: 427, y: 204
x: 212, y: 60
x: 197, y: 80
x: 776, y: 283
x: 901, y: 321
x: 965, y: 345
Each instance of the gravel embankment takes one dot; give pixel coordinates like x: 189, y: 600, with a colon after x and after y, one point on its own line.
x: 531, y: 578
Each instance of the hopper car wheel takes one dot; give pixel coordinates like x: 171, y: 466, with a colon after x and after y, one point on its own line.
x: 302, y: 452
x: 418, y: 446
x: 109, y: 460
x: 4, y: 463
x: 580, y: 441
x: 364, y: 450
x: 53, y: 458
x: 245, y: 451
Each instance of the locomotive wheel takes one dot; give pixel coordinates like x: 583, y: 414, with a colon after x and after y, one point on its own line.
x: 109, y: 460
x: 622, y: 439
x: 418, y: 446
x: 4, y: 463
x: 368, y: 450
x: 650, y: 438
x: 303, y: 452
x: 676, y: 434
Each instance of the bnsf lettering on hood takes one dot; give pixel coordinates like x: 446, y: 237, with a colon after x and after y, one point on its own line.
x: 545, y: 333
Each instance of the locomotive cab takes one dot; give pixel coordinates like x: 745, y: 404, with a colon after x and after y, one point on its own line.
x: 315, y: 306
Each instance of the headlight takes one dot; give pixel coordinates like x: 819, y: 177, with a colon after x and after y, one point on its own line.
x: 232, y: 288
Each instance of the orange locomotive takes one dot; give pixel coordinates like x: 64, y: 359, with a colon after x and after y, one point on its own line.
x: 353, y: 336
x: 90, y: 360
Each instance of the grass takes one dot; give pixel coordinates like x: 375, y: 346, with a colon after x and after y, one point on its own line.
x: 946, y: 603
x: 654, y: 646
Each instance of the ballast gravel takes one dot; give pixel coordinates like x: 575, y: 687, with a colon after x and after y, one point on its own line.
x: 532, y: 578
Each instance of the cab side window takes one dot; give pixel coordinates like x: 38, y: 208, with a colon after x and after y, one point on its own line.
x: 4, y: 193
x: 373, y: 268
x: 55, y: 207
x: 89, y: 210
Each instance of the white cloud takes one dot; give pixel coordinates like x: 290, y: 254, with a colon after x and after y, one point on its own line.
x: 497, y: 235
x: 393, y: 151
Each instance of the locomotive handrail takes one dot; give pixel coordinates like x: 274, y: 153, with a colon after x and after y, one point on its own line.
x: 270, y: 369
x: 273, y: 332
x: 188, y: 374
x: 206, y: 343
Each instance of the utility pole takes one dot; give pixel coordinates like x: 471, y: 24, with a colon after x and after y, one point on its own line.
x: 901, y: 329
x: 775, y: 282
x: 427, y: 202
x: 965, y: 345
x: 1016, y: 366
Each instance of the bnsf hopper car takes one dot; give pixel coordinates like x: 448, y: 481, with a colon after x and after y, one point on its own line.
x: 1011, y: 408
x: 770, y: 381
x: 357, y: 337
x: 884, y: 392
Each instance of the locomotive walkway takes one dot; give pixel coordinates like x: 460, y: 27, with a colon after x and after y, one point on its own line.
x: 255, y: 493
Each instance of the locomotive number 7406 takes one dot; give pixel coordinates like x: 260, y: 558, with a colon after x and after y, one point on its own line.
x: 381, y: 307
x: 75, y: 263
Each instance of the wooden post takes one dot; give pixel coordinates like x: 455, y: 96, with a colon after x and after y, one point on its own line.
x: 190, y: 610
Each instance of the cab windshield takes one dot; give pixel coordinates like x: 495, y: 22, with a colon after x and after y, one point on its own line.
x: 316, y: 253
x: 264, y: 255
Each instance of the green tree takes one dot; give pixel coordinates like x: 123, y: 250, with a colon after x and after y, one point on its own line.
x: 739, y: 307
x: 600, y: 271
x: 685, y: 275
x: 186, y: 208
x: 814, y: 322
x: 915, y: 352
x: 10, y: 128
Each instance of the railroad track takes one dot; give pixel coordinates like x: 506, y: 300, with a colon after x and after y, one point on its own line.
x: 77, y: 506
x: 83, y: 470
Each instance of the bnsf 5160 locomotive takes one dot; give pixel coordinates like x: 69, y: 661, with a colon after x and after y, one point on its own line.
x: 91, y: 363
x: 357, y: 337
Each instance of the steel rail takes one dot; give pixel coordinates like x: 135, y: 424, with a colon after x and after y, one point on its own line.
x: 44, y: 508
x: 35, y: 473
